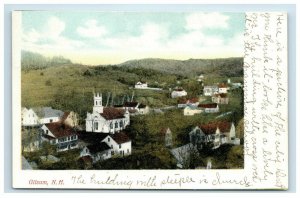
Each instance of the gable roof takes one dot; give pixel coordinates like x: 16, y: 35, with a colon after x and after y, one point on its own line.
x: 120, y: 137
x: 210, y: 128
x: 91, y: 137
x: 222, y: 85
x: 47, y: 112
x: 110, y: 113
x: 185, y: 101
x: 60, y: 130
x: 210, y: 105
x: 98, y: 147
x: 130, y: 104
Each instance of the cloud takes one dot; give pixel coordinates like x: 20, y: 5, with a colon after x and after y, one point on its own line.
x: 91, y: 30
x: 199, y: 21
x: 49, y: 38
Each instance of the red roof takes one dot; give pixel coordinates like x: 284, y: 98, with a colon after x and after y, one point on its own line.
x: 222, y: 85
x: 112, y: 113
x: 211, y: 128
x: 222, y: 95
x: 210, y: 105
x: 60, y: 130
x: 120, y: 137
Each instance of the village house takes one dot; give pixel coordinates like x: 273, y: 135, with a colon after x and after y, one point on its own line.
x: 70, y: 118
x: 48, y: 115
x: 166, y: 137
x: 117, y: 144
x: 209, y: 108
x: 61, y: 135
x: 141, y: 85
x: 210, y: 90
x: 182, y: 102
x: 191, y: 110
x: 223, y: 88
x: 179, y: 92
x: 106, y: 120
x: 216, y: 134
x: 220, y: 98
x: 29, y: 118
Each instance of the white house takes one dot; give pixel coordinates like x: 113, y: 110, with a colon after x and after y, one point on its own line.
x: 179, y: 92
x: 48, y: 115
x: 210, y: 108
x: 220, y: 98
x: 98, y: 151
x: 223, y: 88
x: 29, y: 117
x: 191, y: 110
x: 216, y: 133
x: 143, y: 109
x: 210, y: 90
x: 61, y: 135
x: 119, y: 143
x: 106, y: 120
x: 141, y: 85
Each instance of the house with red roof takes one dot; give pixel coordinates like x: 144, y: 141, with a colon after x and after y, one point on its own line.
x: 61, y: 135
x: 183, y: 102
x: 223, y: 88
x: 106, y: 119
x: 134, y: 108
x: 214, y: 133
x: 209, y: 108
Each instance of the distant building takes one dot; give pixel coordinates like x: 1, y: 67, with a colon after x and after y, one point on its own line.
x: 191, y: 110
x: 141, y: 85
x: 106, y: 119
x: 210, y: 108
x: 210, y: 90
x: 134, y: 108
x: 98, y: 151
x: 217, y: 133
x: 61, y: 135
x: 200, y: 78
x: 179, y: 92
x: 220, y: 98
x: 48, y: 115
x: 182, y: 103
x: 223, y: 88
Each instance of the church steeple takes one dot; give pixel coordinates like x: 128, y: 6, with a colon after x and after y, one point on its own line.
x: 98, y: 103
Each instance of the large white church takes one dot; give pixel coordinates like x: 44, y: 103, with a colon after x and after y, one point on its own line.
x: 106, y: 119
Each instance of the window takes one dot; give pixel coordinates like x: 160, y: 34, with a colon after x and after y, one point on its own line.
x: 116, y: 124
x: 121, y: 152
x: 121, y: 124
x: 111, y: 147
x: 51, y: 120
x: 96, y: 103
x: 127, y: 150
x: 47, y: 131
x: 111, y: 125
x: 112, y: 152
x: 120, y: 146
x: 108, y: 139
x: 96, y: 125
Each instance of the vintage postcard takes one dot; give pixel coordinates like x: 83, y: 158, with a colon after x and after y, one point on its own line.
x: 150, y: 100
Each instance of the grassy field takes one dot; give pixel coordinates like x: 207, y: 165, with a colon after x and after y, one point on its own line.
x: 70, y: 88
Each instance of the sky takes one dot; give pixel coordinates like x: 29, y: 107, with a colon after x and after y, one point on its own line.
x: 94, y: 38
